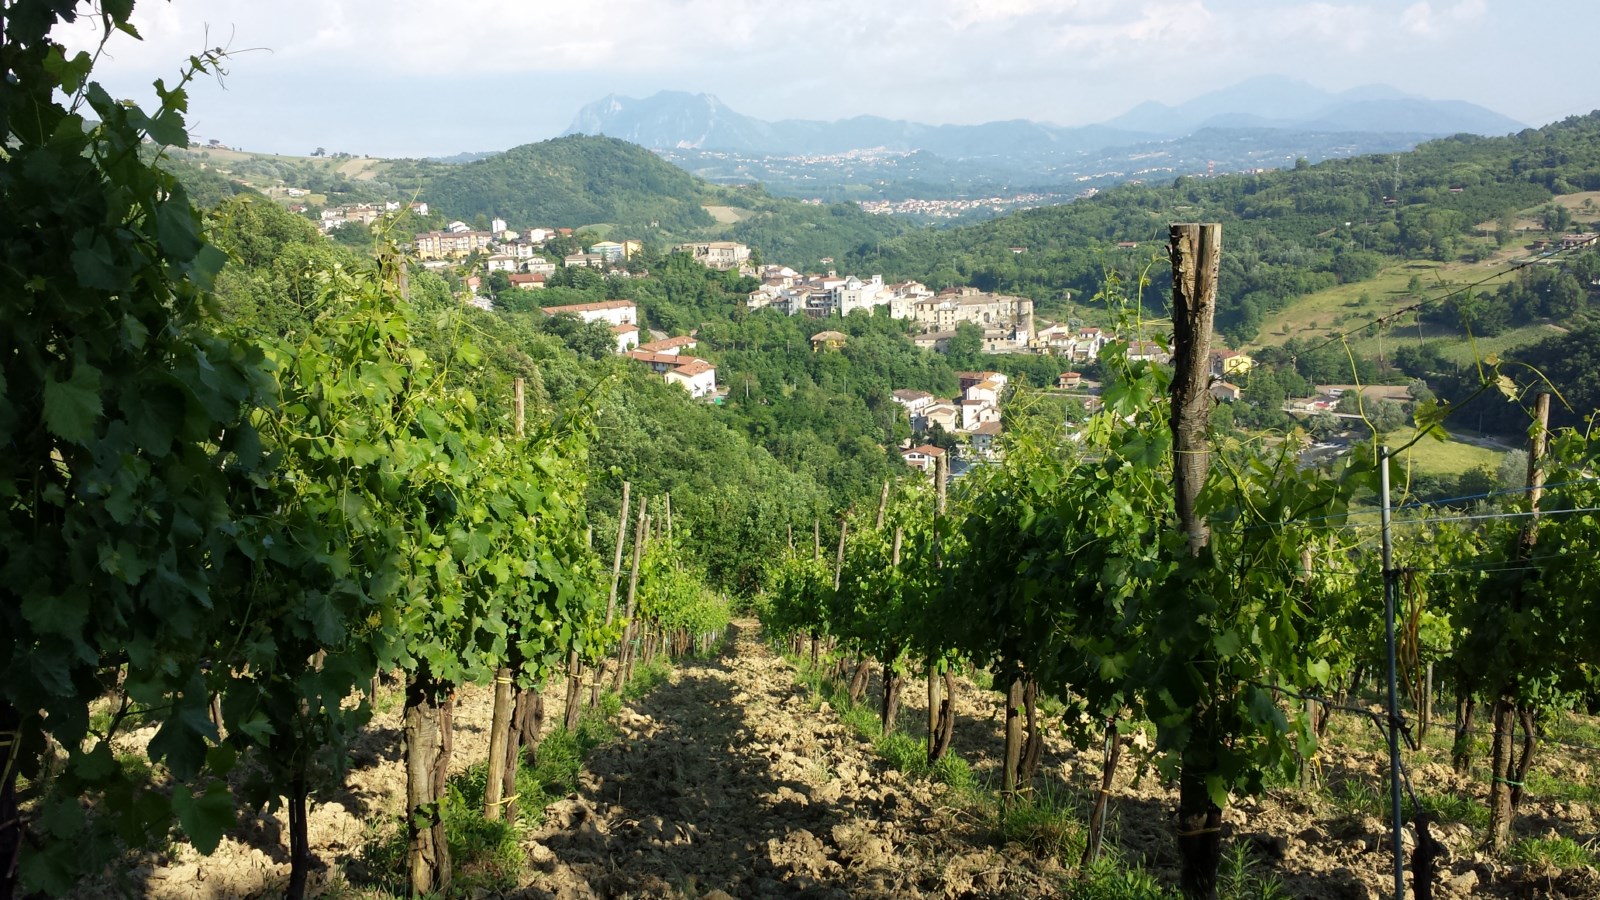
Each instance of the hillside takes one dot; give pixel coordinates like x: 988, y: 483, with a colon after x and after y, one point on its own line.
x: 575, y: 181
x: 1288, y: 232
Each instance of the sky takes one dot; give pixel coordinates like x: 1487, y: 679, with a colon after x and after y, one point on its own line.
x: 423, y: 78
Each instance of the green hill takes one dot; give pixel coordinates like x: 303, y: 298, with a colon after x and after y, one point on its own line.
x: 576, y: 181
x: 1288, y: 232
x: 581, y: 180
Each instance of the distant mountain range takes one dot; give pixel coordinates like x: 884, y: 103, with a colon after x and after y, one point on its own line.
x: 678, y: 120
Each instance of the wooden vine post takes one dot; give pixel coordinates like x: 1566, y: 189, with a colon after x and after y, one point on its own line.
x: 838, y: 573
x: 938, y: 708
x: 1196, y: 260
x: 1508, y: 768
x: 891, y: 678
x: 620, y: 677
x: 611, y: 597
x: 1013, y: 755
x: 500, y: 722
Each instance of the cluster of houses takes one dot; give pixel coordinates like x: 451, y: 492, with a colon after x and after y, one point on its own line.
x: 720, y: 255
x: 510, y: 250
x: 363, y: 213
x: 974, y: 413
x: 1006, y: 321
x: 667, y: 357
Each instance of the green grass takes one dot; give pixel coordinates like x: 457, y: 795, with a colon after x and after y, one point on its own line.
x: 1325, y: 313
x: 901, y: 750
x: 1545, y: 786
x: 1358, y: 797
x: 1045, y: 822
x: 486, y: 856
x: 1457, y: 349
x: 1241, y: 879
x: 648, y: 677
x: 1574, y: 728
x: 1557, y: 852
x: 1456, y: 808
x: 1115, y: 879
x: 1432, y: 457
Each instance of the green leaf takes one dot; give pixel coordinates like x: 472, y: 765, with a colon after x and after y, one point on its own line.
x: 95, y: 266
x: 258, y: 728
x: 167, y: 129
x: 1227, y: 644
x: 181, y: 748
x: 62, y: 614
x: 72, y: 407
x: 69, y: 73
x: 1218, y: 789
x: 205, y: 818
x: 176, y: 227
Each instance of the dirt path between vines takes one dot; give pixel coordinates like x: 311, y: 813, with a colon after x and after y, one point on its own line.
x: 728, y: 783
x: 731, y: 780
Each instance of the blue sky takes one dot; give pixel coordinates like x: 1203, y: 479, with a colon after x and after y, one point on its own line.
x: 411, y: 78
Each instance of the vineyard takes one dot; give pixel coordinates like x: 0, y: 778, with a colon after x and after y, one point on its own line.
x: 1230, y: 617
x: 249, y: 574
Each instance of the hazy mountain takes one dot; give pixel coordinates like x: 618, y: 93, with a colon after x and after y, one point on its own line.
x: 674, y: 119
x: 678, y: 120
x: 1276, y: 102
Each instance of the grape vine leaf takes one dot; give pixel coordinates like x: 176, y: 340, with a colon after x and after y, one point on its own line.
x: 205, y: 818
x: 72, y: 407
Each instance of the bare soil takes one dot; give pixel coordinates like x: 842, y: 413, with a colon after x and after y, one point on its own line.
x: 732, y: 780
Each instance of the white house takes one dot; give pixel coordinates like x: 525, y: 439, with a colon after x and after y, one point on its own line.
x: 924, y: 457
x: 856, y: 294
x: 983, y: 439
x: 942, y: 413
x: 671, y: 346
x: 614, y: 312
x: 984, y: 392
x: 977, y: 412
x: 627, y: 336
x: 697, y: 376
x: 914, y: 401
x: 717, y: 254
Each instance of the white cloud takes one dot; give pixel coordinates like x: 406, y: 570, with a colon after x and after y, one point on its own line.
x: 1070, y: 61
x: 1171, y: 27
x: 1346, y: 26
x: 1423, y: 20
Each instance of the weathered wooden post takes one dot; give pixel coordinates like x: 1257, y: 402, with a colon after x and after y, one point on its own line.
x: 1196, y: 261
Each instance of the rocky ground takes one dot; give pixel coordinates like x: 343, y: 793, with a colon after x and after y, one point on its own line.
x: 733, y: 780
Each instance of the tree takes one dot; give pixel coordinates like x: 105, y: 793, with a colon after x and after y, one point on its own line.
x: 966, y: 344
x: 497, y: 284
x: 1555, y: 217
x: 593, y: 340
x: 1512, y: 472
x: 1387, y: 416
x: 319, y: 152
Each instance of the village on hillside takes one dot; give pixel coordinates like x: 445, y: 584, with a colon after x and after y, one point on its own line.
x: 969, y: 422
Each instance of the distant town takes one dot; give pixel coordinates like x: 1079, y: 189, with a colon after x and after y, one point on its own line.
x: 1004, y: 324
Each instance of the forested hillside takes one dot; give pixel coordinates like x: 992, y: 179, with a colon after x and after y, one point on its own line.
x: 575, y: 181
x: 1290, y: 232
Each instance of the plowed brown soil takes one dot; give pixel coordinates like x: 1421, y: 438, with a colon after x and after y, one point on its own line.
x: 732, y: 780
